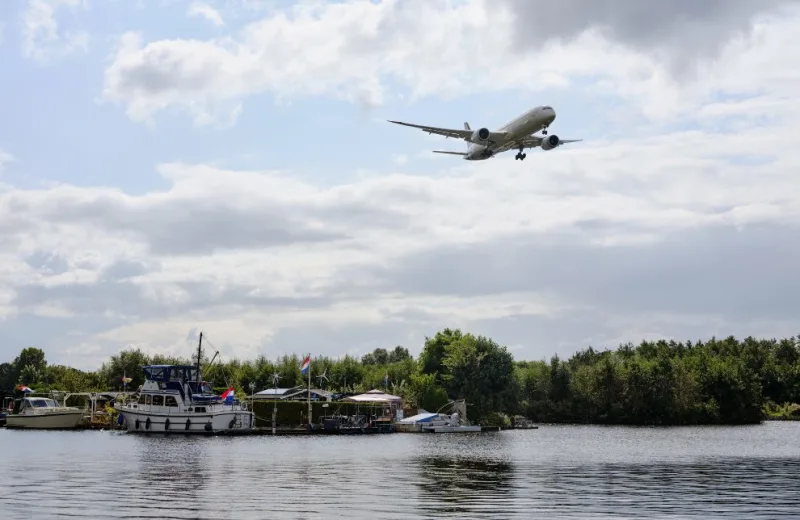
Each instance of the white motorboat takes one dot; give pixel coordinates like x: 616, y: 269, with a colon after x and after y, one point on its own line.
x: 173, y: 399
x: 437, y: 422
x: 451, y: 424
x: 42, y: 413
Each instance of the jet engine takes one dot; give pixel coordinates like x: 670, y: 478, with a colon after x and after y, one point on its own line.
x: 479, y: 136
x: 549, y: 142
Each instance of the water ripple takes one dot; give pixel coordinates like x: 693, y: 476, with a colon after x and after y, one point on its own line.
x: 553, y: 472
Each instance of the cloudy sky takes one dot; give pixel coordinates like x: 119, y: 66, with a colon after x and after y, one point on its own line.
x: 170, y: 166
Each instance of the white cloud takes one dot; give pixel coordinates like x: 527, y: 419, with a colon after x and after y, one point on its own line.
x: 42, y: 40
x: 261, y: 260
x: 207, y: 12
x: 685, y: 233
x: 356, y: 50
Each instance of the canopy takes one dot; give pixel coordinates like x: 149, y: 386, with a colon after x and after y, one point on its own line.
x: 374, y: 396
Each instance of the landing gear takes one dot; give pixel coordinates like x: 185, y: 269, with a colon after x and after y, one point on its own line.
x: 520, y: 156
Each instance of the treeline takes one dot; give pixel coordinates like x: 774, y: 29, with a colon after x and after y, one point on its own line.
x: 662, y: 382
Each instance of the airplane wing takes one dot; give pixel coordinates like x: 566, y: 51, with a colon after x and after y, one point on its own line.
x: 447, y: 132
x: 451, y: 132
x: 532, y: 141
x: 449, y: 153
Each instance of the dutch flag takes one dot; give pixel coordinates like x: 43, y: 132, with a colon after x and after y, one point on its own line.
x: 306, y: 365
x: 228, y: 395
x: 24, y: 388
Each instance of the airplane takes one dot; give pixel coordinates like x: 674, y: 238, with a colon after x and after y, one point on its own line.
x: 516, y: 134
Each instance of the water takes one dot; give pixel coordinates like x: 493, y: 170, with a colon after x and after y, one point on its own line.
x: 553, y: 472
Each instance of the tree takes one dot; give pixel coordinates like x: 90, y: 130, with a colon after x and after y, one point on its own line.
x: 8, y: 377
x: 127, y: 363
x: 399, y: 354
x: 30, y: 366
x: 379, y: 356
x: 431, y: 359
x: 482, y: 372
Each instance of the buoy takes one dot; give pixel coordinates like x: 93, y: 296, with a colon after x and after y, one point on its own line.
x: 137, y: 424
x: 188, y: 423
x: 147, y: 424
x: 232, y: 423
x: 208, y: 426
x: 166, y: 424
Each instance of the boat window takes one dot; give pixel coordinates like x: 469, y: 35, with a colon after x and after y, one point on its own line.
x: 158, y: 400
x: 141, y: 399
x: 200, y: 409
x: 148, y: 399
x: 170, y: 400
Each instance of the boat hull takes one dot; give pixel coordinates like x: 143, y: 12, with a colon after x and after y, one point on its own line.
x: 452, y: 429
x: 228, y: 421
x: 46, y: 421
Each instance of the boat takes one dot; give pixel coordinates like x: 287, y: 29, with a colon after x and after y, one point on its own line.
x: 437, y: 422
x: 174, y: 399
x: 43, y: 413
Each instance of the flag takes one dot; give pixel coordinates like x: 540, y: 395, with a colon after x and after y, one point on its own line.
x: 24, y: 388
x: 306, y: 365
x: 126, y: 380
x: 228, y: 395
x: 386, y: 378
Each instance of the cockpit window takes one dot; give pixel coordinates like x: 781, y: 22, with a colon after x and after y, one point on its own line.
x: 547, y: 108
x: 43, y: 403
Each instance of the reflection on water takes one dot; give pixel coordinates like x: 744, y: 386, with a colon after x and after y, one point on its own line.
x: 460, y: 486
x: 553, y: 472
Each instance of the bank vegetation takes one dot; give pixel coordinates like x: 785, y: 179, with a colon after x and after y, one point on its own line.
x: 725, y: 381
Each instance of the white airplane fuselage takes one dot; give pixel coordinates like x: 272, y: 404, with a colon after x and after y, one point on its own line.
x: 522, y: 126
x: 517, y: 134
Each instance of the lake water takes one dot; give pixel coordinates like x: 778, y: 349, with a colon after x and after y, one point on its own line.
x: 553, y: 472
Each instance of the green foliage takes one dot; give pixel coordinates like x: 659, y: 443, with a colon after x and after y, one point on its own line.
x: 663, y: 382
x: 656, y: 382
x: 482, y: 372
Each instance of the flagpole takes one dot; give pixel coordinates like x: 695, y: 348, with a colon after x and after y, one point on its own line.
x: 309, y: 389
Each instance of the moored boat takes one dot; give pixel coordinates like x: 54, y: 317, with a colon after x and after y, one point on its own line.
x: 42, y: 413
x: 174, y: 399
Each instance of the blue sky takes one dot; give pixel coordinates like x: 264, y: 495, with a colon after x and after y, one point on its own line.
x: 139, y: 129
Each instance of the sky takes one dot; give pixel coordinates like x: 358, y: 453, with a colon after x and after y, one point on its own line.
x: 227, y: 166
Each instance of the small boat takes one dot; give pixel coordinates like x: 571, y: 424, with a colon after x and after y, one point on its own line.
x: 43, y: 413
x: 174, y: 399
x: 451, y: 424
x: 438, y: 422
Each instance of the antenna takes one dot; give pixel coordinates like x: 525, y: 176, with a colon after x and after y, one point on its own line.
x: 199, y: 355
x: 275, y: 377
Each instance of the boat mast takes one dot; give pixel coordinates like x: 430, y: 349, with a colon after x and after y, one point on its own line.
x: 199, y: 353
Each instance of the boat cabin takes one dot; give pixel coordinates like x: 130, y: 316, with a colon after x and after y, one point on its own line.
x: 175, y: 386
x: 30, y: 404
